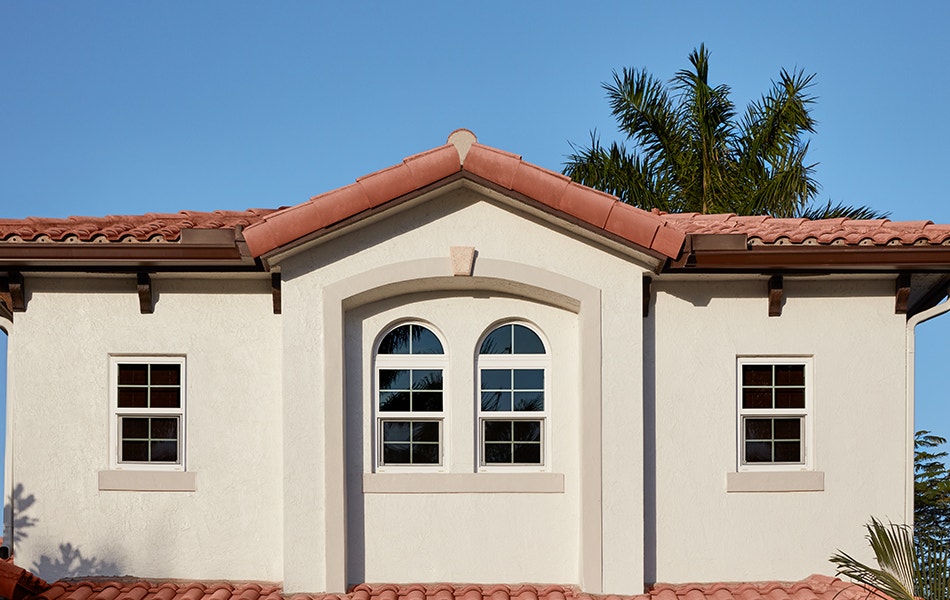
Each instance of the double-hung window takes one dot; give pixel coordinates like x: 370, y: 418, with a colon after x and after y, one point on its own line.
x: 513, y: 370
x: 410, y: 402
x: 148, y: 403
x: 775, y: 409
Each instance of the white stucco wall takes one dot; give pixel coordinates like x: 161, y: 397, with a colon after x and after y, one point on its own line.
x: 856, y: 341
x: 324, y: 282
x: 230, y: 527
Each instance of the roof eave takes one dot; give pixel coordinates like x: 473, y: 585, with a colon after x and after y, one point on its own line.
x: 814, y: 258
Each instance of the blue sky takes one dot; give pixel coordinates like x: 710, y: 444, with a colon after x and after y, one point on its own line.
x: 119, y: 107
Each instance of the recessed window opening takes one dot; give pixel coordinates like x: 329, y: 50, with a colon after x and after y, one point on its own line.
x: 774, y: 412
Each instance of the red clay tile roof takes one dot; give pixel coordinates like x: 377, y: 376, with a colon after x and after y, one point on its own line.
x: 151, y: 227
x: 462, y: 154
x: 765, y: 230
x: 816, y: 587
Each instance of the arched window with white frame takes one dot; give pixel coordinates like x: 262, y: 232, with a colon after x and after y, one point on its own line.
x: 410, y: 398
x: 513, y: 399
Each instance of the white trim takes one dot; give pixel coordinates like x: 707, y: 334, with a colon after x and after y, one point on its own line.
x: 115, y: 413
x: 463, y: 483
x: 806, y: 414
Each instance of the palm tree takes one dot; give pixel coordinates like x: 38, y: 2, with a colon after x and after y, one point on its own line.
x: 901, y: 573
x: 691, y: 154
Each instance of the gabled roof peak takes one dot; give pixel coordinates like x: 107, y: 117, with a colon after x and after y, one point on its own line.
x: 462, y: 139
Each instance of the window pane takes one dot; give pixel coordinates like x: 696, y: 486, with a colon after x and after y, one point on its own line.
x: 164, y: 451
x: 790, y: 398
x: 133, y: 397
x: 425, y: 454
x: 425, y: 431
x: 496, y: 401
x: 527, y: 431
x: 527, y: 341
x: 758, y: 429
x: 134, y: 451
x: 133, y: 427
x: 427, y: 379
x: 427, y: 401
x: 529, y: 379
x: 394, y: 401
x: 396, y: 431
x: 166, y: 375
x: 790, y: 375
x: 498, y: 341
x: 394, y: 379
x: 757, y: 398
x: 527, y: 454
x: 788, y: 429
x: 497, y: 431
x: 166, y: 398
x: 496, y: 379
x: 396, y: 454
x: 758, y: 452
x: 497, y: 453
x: 424, y: 341
x: 165, y: 429
x: 133, y: 374
x: 788, y: 452
x: 529, y: 401
x: 396, y: 341
x: 756, y: 374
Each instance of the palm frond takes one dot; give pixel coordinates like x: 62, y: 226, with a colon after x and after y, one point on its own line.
x: 893, y: 547
x: 839, y: 210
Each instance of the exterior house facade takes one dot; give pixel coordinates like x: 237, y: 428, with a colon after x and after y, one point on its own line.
x: 461, y: 368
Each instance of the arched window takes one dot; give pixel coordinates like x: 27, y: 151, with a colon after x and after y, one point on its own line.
x: 513, y: 373
x: 410, y: 403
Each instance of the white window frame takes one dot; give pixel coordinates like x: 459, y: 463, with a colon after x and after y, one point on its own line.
x: 513, y: 362
x: 116, y: 413
x: 806, y: 414
x: 410, y: 361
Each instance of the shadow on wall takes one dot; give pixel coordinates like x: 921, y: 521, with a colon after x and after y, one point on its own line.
x: 70, y: 561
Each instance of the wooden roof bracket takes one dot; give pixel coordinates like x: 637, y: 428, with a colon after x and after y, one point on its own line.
x: 776, y: 295
x: 12, y: 294
x: 144, y: 284
x: 275, y: 291
x: 902, y: 294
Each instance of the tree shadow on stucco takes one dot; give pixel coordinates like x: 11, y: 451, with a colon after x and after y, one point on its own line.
x: 15, y: 517
x: 72, y: 563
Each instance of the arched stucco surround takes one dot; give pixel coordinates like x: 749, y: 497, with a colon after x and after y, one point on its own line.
x: 432, y: 274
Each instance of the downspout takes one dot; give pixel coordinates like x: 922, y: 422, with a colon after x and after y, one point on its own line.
x: 909, y: 428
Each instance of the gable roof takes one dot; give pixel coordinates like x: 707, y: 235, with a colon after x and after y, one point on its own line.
x: 462, y: 156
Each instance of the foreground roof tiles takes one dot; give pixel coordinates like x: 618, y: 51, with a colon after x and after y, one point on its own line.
x: 763, y: 230
x: 816, y: 587
x: 150, y: 227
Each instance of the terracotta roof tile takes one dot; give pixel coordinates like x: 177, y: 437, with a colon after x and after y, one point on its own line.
x: 764, y: 230
x: 151, y: 227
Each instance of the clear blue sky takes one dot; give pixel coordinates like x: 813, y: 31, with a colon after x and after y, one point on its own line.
x: 118, y: 107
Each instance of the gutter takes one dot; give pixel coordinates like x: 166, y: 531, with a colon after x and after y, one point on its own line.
x: 909, y: 429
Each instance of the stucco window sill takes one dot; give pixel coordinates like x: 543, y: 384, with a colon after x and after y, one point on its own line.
x: 463, y: 483
x: 148, y: 481
x: 775, y: 481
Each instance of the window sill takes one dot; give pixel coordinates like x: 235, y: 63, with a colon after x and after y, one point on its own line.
x: 775, y: 481
x: 463, y: 483
x: 148, y: 481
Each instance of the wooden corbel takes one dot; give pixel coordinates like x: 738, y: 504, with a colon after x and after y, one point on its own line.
x: 776, y: 296
x: 146, y: 306
x: 647, y: 295
x: 17, y: 293
x: 902, y: 294
x: 275, y: 291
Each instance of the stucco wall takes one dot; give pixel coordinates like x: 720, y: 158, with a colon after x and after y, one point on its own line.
x: 848, y: 327
x: 230, y: 527
x: 323, y: 283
